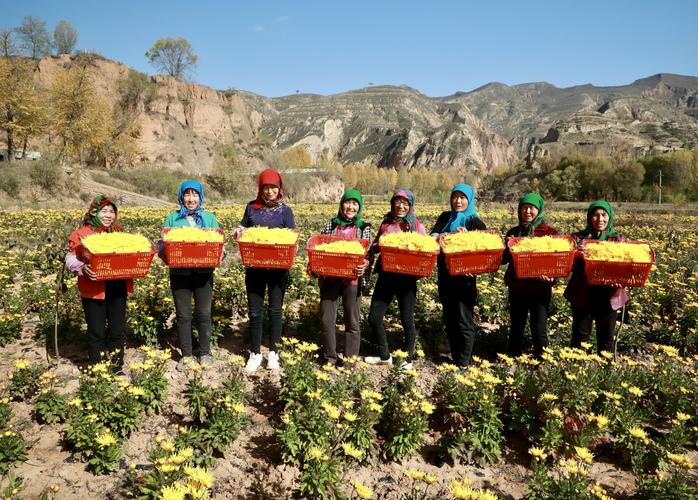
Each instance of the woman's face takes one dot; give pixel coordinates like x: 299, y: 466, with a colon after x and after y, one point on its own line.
x: 191, y: 198
x: 528, y: 213
x: 459, y: 202
x: 350, y: 208
x: 270, y: 192
x: 401, y: 206
x: 107, y: 215
x: 599, y: 220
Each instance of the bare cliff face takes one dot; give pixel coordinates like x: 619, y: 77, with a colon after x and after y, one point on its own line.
x: 388, y: 126
x: 496, y: 125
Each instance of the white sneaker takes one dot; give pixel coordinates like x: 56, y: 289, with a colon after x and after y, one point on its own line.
x: 273, y: 361
x: 254, y: 362
x: 376, y: 360
x: 404, y: 366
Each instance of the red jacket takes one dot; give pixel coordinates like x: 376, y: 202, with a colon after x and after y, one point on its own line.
x: 578, y: 289
x: 89, y: 289
x: 525, y: 286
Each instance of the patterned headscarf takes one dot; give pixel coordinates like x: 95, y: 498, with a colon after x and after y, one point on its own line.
x: 183, y: 211
x: 461, y: 219
x: 91, y: 217
x: 340, y: 220
x: 589, y: 230
x: 537, y: 201
x: 408, y: 219
x: 268, y: 176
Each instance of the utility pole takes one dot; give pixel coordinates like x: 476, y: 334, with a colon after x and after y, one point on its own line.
x: 660, y: 186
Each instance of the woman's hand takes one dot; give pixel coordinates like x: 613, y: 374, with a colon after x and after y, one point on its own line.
x: 360, y: 270
x: 461, y: 229
x: 547, y: 279
x: 237, y: 232
x: 87, y: 271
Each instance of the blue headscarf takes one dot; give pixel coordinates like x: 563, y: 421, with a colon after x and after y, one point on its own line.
x: 461, y: 219
x: 183, y: 211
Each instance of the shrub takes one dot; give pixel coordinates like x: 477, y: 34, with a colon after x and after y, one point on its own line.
x: 46, y: 172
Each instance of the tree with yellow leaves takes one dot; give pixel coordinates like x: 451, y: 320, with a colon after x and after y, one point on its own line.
x: 21, y: 110
x: 296, y: 157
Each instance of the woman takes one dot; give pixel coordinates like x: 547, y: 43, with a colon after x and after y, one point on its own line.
x: 596, y: 303
x: 401, y: 218
x: 103, y: 301
x: 188, y: 283
x: 347, y: 224
x: 267, y: 210
x: 528, y: 296
x: 458, y: 294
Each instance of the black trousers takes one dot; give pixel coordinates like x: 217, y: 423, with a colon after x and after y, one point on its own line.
x: 597, y: 309
x: 198, y: 286
x: 403, y: 287
x: 330, y: 292
x: 107, y: 344
x: 537, y: 305
x: 458, y: 295
x: 258, y: 282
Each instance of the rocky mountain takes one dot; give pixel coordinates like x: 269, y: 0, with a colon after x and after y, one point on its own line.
x: 650, y: 115
x: 494, y: 125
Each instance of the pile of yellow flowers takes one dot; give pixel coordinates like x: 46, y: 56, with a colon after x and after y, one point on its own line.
x: 116, y: 243
x: 543, y: 244
x: 192, y: 234
x: 619, y: 252
x: 471, y: 241
x: 269, y: 236
x: 410, y: 241
x: 351, y: 247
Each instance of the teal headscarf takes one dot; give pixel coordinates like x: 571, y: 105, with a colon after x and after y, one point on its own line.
x: 340, y: 220
x: 589, y: 230
x: 407, y: 219
x: 537, y: 201
x: 460, y: 219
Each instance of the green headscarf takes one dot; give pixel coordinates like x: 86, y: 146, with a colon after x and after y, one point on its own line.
x: 589, y: 230
x: 349, y: 194
x: 537, y: 201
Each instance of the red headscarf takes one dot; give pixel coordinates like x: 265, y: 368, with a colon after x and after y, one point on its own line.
x: 268, y: 176
x: 91, y: 217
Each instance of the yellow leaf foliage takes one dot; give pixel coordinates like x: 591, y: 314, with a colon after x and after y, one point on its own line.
x: 192, y: 234
x: 352, y: 247
x: 619, y: 252
x: 410, y: 241
x: 116, y: 243
x: 543, y: 244
x: 268, y: 236
x: 470, y: 241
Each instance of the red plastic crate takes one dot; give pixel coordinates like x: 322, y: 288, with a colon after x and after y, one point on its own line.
x: 474, y: 262
x: 118, y: 266
x: 412, y: 262
x: 333, y: 264
x: 271, y: 256
x: 193, y: 254
x: 623, y: 273
x: 539, y: 264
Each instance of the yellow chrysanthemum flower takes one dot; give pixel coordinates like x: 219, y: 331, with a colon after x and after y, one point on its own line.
x: 192, y: 234
x: 349, y: 247
x: 471, y: 241
x: 116, y: 243
x: 267, y: 236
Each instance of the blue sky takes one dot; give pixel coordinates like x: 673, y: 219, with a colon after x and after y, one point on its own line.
x: 274, y: 48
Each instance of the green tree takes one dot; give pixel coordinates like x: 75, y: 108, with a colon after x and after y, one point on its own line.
x: 21, y: 110
x: 34, y: 38
x: 65, y: 37
x: 626, y: 181
x: 229, y: 174
x: 172, y: 56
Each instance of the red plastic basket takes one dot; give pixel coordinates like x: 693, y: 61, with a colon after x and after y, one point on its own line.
x: 626, y: 274
x: 193, y: 254
x: 475, y: 261
x: 270, y: 256
x: 333, y: 264
x: 412, y: 262
x: 539, y: 264
x: 119, y: 266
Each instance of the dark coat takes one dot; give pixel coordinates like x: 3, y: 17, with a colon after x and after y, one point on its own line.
x: 525, y: 286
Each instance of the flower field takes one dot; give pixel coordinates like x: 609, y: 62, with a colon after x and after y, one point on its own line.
x: 574, y: 425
